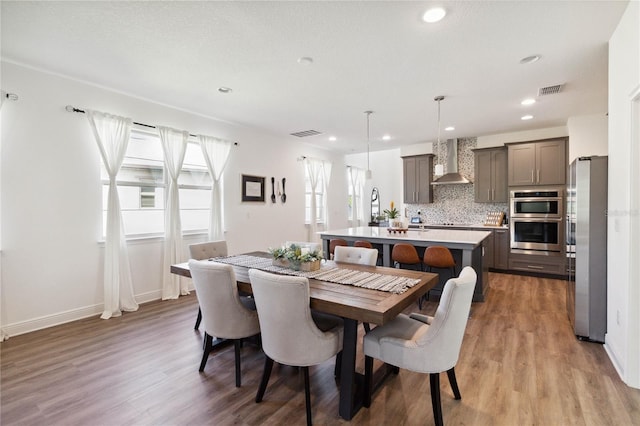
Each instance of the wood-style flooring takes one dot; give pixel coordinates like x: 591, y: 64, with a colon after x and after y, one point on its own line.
x: 520, y: 365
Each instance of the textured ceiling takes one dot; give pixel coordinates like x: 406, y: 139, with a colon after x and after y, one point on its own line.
x: 375, y: 56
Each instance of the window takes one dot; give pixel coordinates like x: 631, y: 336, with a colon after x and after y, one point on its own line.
x: 355, y: 176
x: 142, y: 181
x: 320, y: 197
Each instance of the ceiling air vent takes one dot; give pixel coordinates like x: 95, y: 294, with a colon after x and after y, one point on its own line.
x: 305, y: 133
x: 550, y: 90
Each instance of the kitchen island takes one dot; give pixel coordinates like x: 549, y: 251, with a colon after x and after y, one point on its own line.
x: 468, y: 242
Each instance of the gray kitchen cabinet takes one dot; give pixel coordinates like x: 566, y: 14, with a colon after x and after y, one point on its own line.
x: 501, y: 248
x: 553, y: 265
x: 489, y: 249
x: 417, y: 178
x: 490, y: 183
x: 537, y: 163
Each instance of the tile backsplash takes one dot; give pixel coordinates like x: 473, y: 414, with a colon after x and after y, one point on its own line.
x: 455, y: 203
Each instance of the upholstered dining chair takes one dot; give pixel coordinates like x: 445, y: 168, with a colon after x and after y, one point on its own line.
x: 290, y: 334
x: 206, y: 250
x: 356, y: 255
x: 425, y: 344
x: 224, y: 312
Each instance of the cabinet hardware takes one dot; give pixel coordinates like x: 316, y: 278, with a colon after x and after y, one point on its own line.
x: 493, y: 194
x: 535, y: 267
x: 538, y: 176
x: 532, y: 181
x: 488, y: 194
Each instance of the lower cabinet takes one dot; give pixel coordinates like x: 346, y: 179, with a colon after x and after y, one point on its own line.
x: 501, y: 249
x: 554, y: 265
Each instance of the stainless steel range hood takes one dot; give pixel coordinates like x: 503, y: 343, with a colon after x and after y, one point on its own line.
x: 452, y: 177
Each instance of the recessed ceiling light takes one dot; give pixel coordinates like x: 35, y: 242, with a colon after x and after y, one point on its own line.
x: 449, y: 129
x: 529, y: 59
x: 526, y: 117
x: 528, y: 101
x: 434, y: 15
x: 332, y: 138
x: 305, y: 60
x: 225, y: 89
x: 386, y: 138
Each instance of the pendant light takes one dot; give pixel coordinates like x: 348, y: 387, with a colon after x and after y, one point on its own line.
x: 439, y: 168
x: 367, y: 174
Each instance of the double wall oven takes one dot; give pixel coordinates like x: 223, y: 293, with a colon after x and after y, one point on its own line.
x: 537, y: 220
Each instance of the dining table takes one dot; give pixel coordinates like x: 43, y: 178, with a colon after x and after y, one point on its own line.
x: 354, y: 304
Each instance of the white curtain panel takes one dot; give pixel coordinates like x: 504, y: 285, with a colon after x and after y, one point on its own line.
x: 174, y: 146
x: 356, y: 178
x: 314, y: 168
x: 326, y: 171
x: 112, y: 135
x: 216, y: 153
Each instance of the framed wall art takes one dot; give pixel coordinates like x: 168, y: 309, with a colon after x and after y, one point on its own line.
x: 252, y: 188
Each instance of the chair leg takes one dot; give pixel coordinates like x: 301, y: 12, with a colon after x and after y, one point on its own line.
x: 307, y: 394
x: 199, y: 319
x: 337, y: 370
x: 368, y: 381
x: 208, y: 345
x: 434, y: 380
x: 268, y: 365
x: 454, y: 383
x: 237, y: 343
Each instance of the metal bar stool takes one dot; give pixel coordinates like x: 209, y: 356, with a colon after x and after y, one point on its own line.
x: 438, y: 257
x: 405, y: 254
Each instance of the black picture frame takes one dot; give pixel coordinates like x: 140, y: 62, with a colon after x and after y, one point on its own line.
x: 253, y: 188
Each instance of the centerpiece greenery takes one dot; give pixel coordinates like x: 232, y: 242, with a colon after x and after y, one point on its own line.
x: 296, y: 257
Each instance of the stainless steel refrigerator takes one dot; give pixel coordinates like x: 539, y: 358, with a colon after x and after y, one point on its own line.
x: 587, y: 247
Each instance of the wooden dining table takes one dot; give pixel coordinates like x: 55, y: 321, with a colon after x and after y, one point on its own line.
x: 354, y: 305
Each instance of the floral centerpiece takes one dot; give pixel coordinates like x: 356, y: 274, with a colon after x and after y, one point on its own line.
x: 296, y: 257
x: 394, y: 216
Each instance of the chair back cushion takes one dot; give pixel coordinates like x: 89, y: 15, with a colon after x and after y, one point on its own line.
x: 447, y: 327
x: 208, y: 250
x: 289, y: 335
x: 405, y: 253
x: 357, y: 255
x: 223, y: 315
x: 439, y: 257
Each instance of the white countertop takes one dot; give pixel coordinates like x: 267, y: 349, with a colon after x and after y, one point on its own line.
x: 452, y: 236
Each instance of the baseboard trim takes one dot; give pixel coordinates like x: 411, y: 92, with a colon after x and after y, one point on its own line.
x: 22, y: 327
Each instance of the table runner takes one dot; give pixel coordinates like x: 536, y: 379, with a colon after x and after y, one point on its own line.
x: 328, y: 272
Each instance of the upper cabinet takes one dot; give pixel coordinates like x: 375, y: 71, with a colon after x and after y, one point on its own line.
x: 417, y: 177
x: 538, y: 163
x: 490, y: 183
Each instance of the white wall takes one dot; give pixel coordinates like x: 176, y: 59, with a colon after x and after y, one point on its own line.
x: 386, y: 175
x: 500, y: 139
x: 623, y: 316
x: 588, y: 135
x: 51, y: 196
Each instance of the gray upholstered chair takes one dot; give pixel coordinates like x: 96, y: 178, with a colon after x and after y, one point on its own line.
x: 290, y: 334
x: 357, y: 255
x: 223, y: 311
x: 425, y: 344
x: 207, y: 250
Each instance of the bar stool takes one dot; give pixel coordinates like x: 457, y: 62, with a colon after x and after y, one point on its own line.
x: 362, y: 243
x: 438, y: 257
x: 405, y: 254
x: 335, y: 243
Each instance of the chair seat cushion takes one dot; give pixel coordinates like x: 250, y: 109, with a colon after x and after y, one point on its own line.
x: 402, y: 331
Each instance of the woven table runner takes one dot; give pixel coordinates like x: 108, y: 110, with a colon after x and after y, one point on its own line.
x: 328, y: 272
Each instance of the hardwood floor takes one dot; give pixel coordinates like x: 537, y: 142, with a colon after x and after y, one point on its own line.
x: 519, y: 364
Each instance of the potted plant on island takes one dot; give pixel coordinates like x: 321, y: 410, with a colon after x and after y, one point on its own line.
x: 394, y: 216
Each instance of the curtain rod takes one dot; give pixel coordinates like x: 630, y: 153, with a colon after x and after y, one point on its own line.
x: 70, y: 108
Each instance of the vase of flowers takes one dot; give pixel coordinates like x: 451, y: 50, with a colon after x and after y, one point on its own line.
x: 296, y: 257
